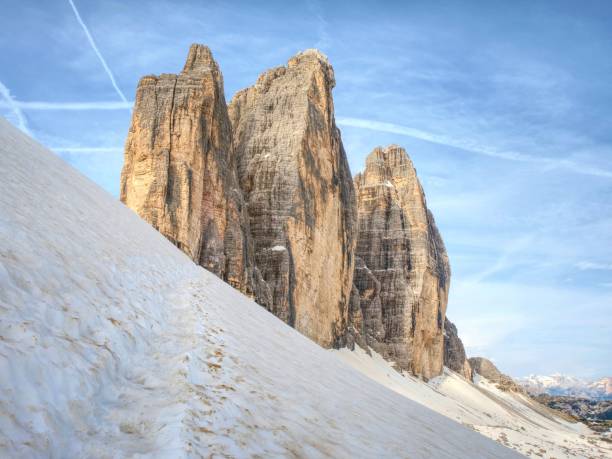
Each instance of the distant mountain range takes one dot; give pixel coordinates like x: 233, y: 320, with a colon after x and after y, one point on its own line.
x: 563, y: 385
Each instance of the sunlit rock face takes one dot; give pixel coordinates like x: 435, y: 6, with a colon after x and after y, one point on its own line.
x: 179, y: 172
x: 403, y: 273
x: 454, y: 352
x: 296, y: 182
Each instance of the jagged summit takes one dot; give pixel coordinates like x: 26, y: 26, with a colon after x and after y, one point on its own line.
x: 388, y: 161
x: 313, y: 52
x: 303, y: 66
x: 391, y: 155
x: 199, y: 59
x: 314, y: 57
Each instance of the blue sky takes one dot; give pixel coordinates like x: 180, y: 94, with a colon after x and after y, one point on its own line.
x: 504, y: 107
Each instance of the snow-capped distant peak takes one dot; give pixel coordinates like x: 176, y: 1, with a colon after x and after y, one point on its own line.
x: 559, y: 384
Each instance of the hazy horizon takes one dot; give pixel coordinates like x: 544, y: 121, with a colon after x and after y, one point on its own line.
x: 504, y: 110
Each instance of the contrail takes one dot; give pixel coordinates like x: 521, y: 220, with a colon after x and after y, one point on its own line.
x: 44, y: 106
x: 474, y: 147
x: 506, y: 257
x: 97, y: 51
x: 14, y: 106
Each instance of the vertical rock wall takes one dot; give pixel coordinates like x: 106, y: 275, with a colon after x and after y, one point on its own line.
x: 404, y: 274
x: 296, y: 181
x: 179, y: 171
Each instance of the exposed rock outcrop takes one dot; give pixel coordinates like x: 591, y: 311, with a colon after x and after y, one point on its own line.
x: 260, y: 193
x: 179, y: 172
x: 454, y: 352
x: 486, y: 369
x: 403, y: 276
x: 297, y: 185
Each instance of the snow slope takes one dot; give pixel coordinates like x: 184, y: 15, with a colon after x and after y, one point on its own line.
x: 510, y: 418
x: 114, y: 344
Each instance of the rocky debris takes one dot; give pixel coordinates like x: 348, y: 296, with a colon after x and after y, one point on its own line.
x: 403, y: 271
x: 597, y: 414
x: 578, y: 407
x: 454, y: 352
x: 296, y: 182
x: 179, y: 172
x: 486, y: 369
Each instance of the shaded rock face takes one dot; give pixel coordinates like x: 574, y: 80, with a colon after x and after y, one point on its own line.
x: 297, y: 185
x: 364, y: 308
x: 454, y: 352
x: 179, y: 171
x: 403, y: 273
x: 486, y: 369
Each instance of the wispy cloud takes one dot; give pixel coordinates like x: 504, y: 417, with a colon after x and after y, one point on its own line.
x: 86, y: 150
x: 97, y: 51
x: 323, y: 38
x: 591, y: 266
x: 506, y: 259
x: 474, y: 146
x: 41, y: 105
x: 11, y: 104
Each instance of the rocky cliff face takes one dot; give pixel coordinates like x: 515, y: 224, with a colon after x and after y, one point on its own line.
x: 454, y: 352
x: 260, y: 193
x: 486, y: 369
x: 179, y: 172
x: 297, y: 185
x: 402, y: 273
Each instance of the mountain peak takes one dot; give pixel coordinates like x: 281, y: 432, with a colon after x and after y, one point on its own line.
x: 391, y: 155
x: 199, y: 59
x: 312, y: 53
x: 314, y: 57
